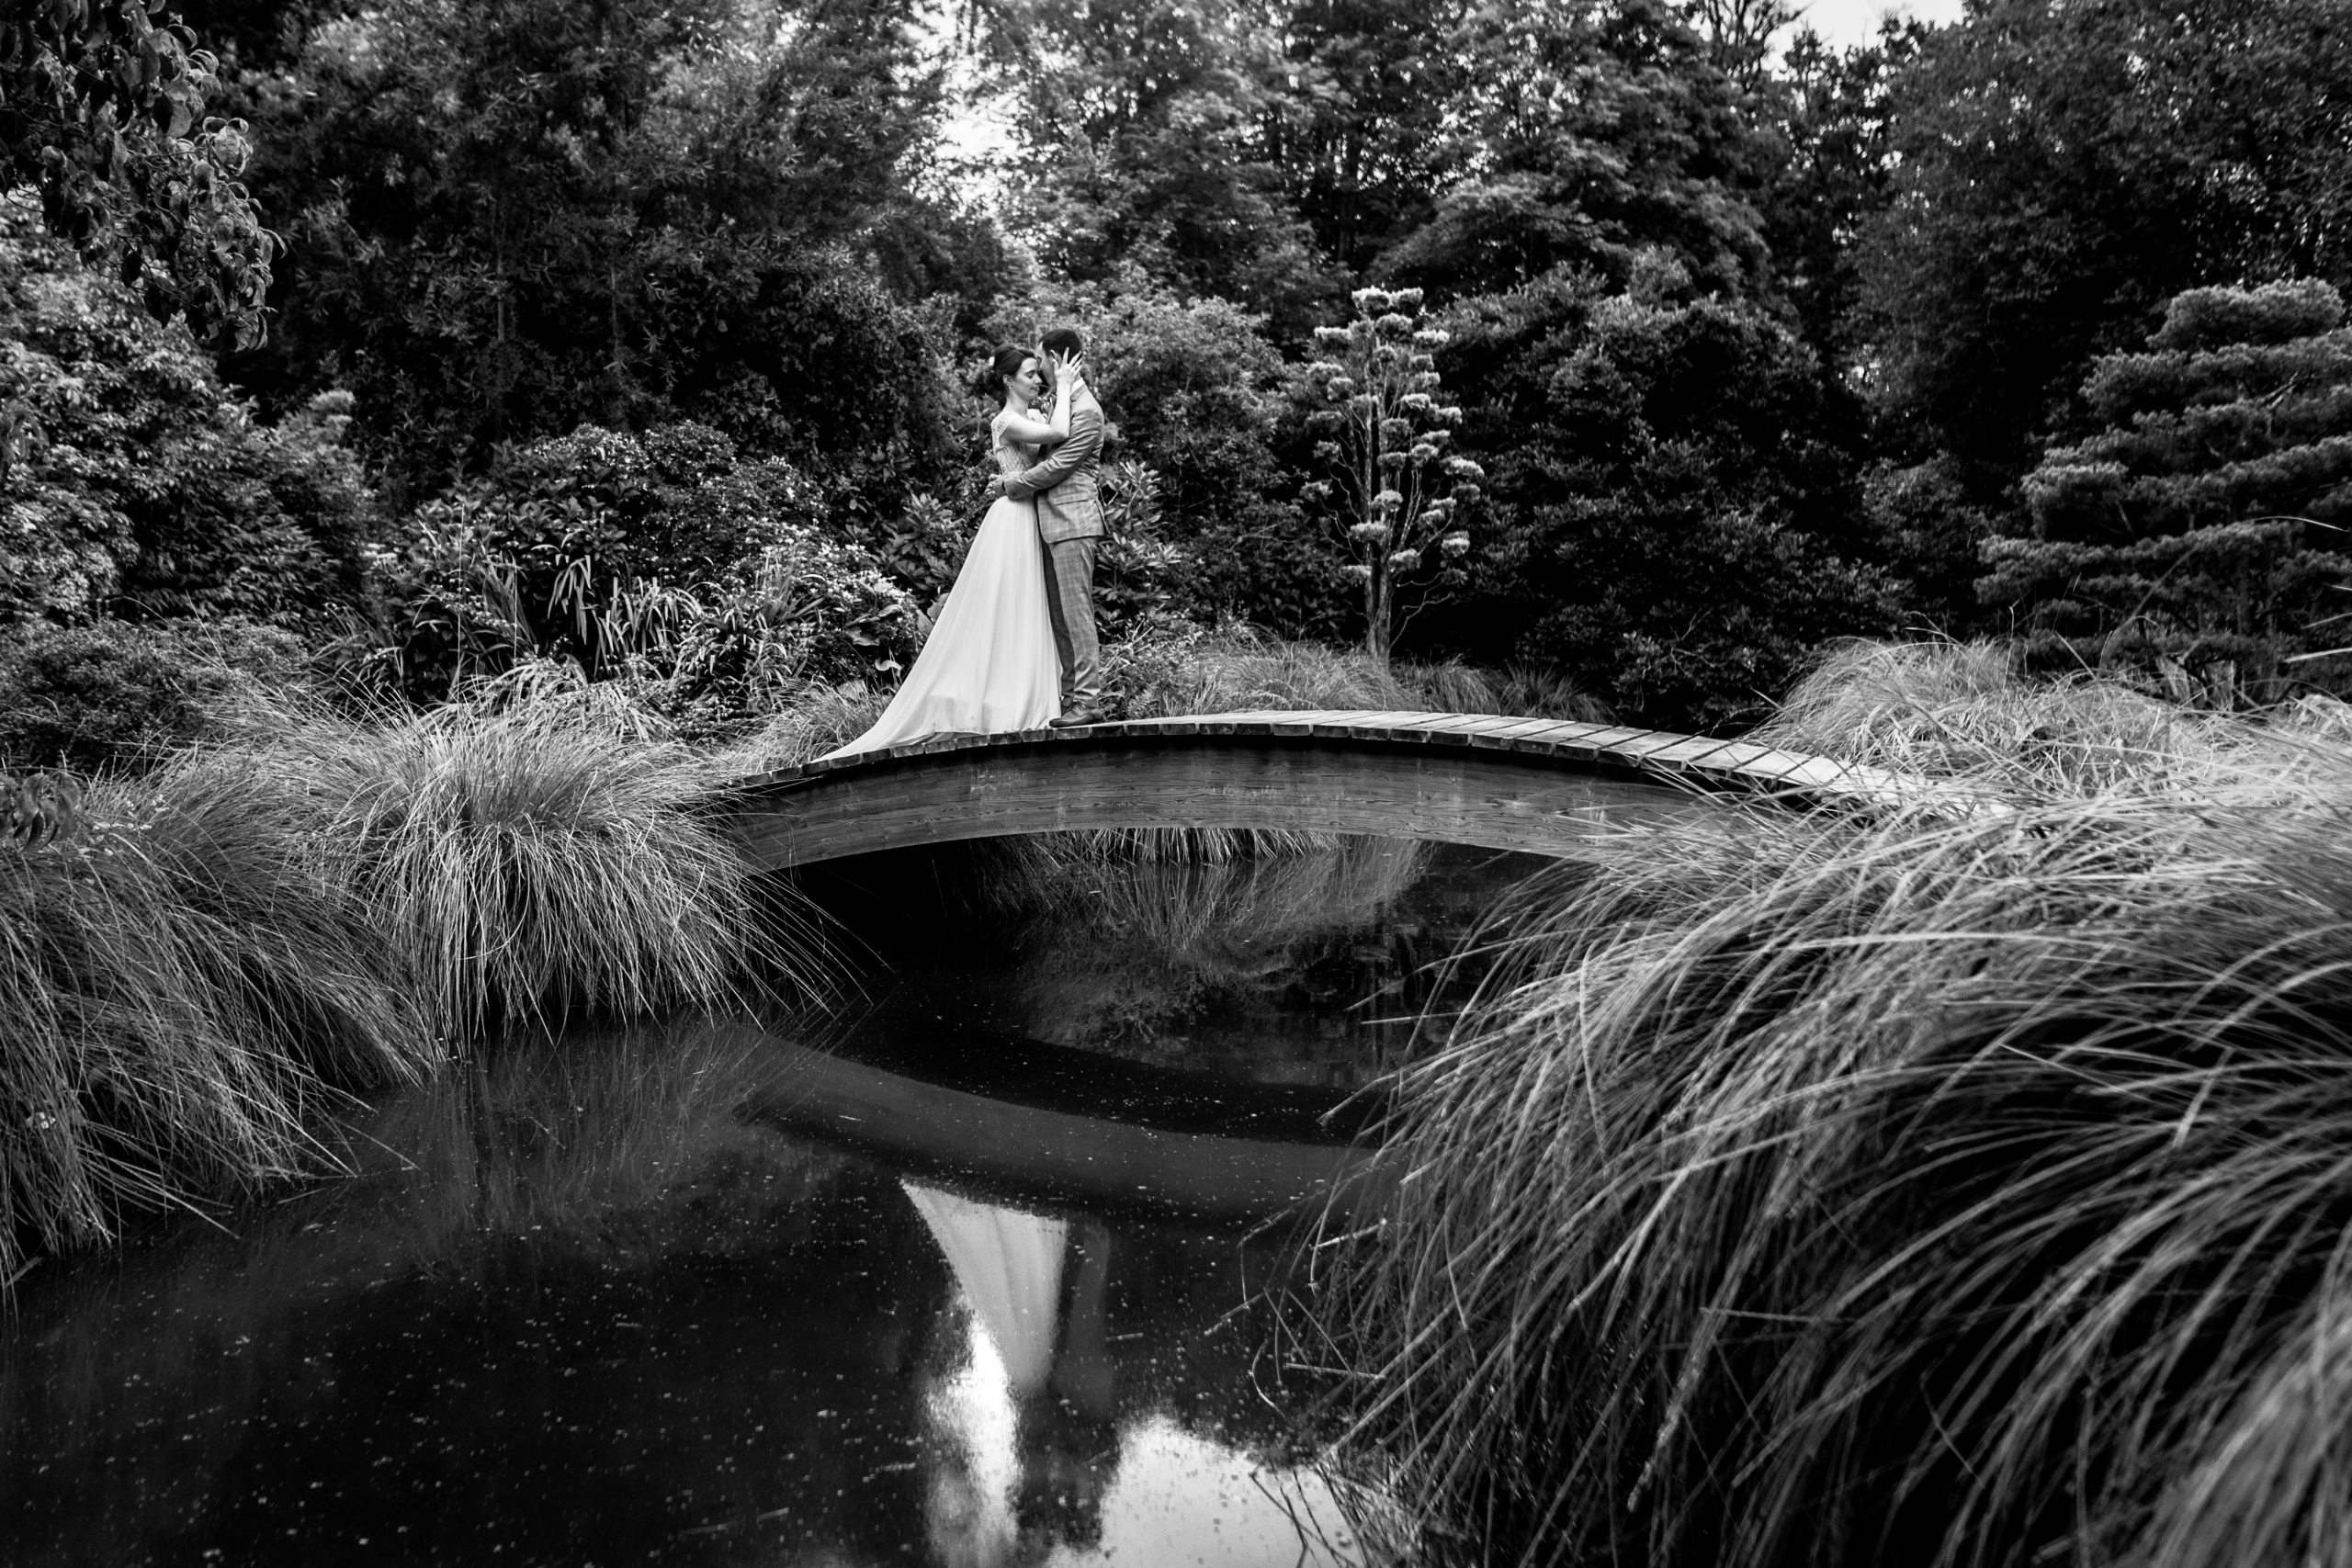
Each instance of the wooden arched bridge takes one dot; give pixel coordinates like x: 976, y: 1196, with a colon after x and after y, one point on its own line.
x: 1542, y: 786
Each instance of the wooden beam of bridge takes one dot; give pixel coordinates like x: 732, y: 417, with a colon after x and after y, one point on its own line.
x: 1540, y: 786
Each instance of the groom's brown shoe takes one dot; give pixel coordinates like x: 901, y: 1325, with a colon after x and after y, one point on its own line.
x: 1078, y: 716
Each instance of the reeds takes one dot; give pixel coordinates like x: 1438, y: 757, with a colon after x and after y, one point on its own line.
x: 190, y: 978
x: 1966, y: 713
x: 1236, y: 669
x: 135, y: 1063
x: 527, y: 865
x: 1825, y: 1191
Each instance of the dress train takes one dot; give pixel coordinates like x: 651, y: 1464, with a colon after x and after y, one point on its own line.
x: 988, y: 667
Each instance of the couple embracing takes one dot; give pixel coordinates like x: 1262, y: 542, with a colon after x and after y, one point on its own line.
x: 1013, y: 647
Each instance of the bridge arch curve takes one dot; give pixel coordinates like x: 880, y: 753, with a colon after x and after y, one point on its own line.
x: 1539, y: 785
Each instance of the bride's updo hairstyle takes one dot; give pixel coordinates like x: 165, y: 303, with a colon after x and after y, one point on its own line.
x: 1003, y: 366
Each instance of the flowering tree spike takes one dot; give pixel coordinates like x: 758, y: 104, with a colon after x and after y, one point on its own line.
x: 1395, y: 503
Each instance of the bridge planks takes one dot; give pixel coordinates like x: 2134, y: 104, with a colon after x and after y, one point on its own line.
x: 1547, y: 786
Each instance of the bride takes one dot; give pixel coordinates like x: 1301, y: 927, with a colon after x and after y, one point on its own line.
x: 988, y: 666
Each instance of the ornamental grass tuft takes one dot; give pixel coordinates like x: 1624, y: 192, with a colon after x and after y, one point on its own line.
x: 206, y: 960
x: 177, y: 993
x: 1816, y: 1191
x: 529, y: 865
x: 1967, y: 712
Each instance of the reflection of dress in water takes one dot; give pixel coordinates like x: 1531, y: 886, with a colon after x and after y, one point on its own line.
x: 988, y: 667
x: 1010, y: 1264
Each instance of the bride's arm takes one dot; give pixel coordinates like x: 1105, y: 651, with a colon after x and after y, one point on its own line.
x: 1056, y: 432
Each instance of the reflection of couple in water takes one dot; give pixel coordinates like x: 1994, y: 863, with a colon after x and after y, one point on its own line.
x: 1035, y: 1286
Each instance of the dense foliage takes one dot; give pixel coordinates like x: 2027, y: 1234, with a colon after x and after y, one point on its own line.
x: 117, y: 697
x: 2066, y: 169
x: 1755, y: 341
x: 1672, y: 515
x: 666, y: 559
x: 2199, y: 531
x: 519, y: 215
x: 103, y: 110
x: 133, y: 481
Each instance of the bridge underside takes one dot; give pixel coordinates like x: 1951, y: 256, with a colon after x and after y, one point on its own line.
x: 1559, y: 796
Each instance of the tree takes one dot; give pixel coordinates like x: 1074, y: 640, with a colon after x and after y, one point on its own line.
x: 1671, y: 518
x: 1740, y: 35
x: 1142, y: 145
x: 1583, y: 132
x: 513, y: 215
x: 1357, y: 127
x: 2181, y: 536
x: 2065, y: 169
x: 1391, y: 433
x: 102, y: 111
x: 1834, y: 109
x: 131, y: 482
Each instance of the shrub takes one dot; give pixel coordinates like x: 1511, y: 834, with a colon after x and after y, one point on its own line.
x: 806, y: 609
x: 1672, y: 517
x: 2175, y: 539
x: 129, y: 478
x: 664, y: 556
x: 112, y: 697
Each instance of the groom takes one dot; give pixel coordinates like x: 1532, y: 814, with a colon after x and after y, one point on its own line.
x: 1069, y: 521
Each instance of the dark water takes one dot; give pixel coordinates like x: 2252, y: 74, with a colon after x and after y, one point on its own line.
x: 600, y: 1302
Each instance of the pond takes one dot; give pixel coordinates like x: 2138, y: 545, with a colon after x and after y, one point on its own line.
x: 659, y: 1295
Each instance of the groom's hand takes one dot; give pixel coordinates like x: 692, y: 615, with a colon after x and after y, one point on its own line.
x: 996, y: 487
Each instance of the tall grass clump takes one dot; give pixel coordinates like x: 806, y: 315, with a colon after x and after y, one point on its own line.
x: 818, y: 720
x: 170, y: 996
x: 1966, y: 712
x: 1165, y: 673
x: 1818, y: 1192
x: 1161, y: 674
x: 529, y: 863
x: 195, y: 965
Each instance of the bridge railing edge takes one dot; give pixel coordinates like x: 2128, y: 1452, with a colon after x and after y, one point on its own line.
x: 1704, y: 761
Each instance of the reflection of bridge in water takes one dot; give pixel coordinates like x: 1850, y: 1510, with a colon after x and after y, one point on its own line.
x: 1540, y: 785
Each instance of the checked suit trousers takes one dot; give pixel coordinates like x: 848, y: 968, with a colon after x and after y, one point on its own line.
x: 1070, y: 599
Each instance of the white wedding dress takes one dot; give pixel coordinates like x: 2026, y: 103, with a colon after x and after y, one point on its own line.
x: 988, y: 667
x: 1010, y: 1264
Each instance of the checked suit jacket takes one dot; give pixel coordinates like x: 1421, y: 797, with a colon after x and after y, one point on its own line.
x: 1069, y: 505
